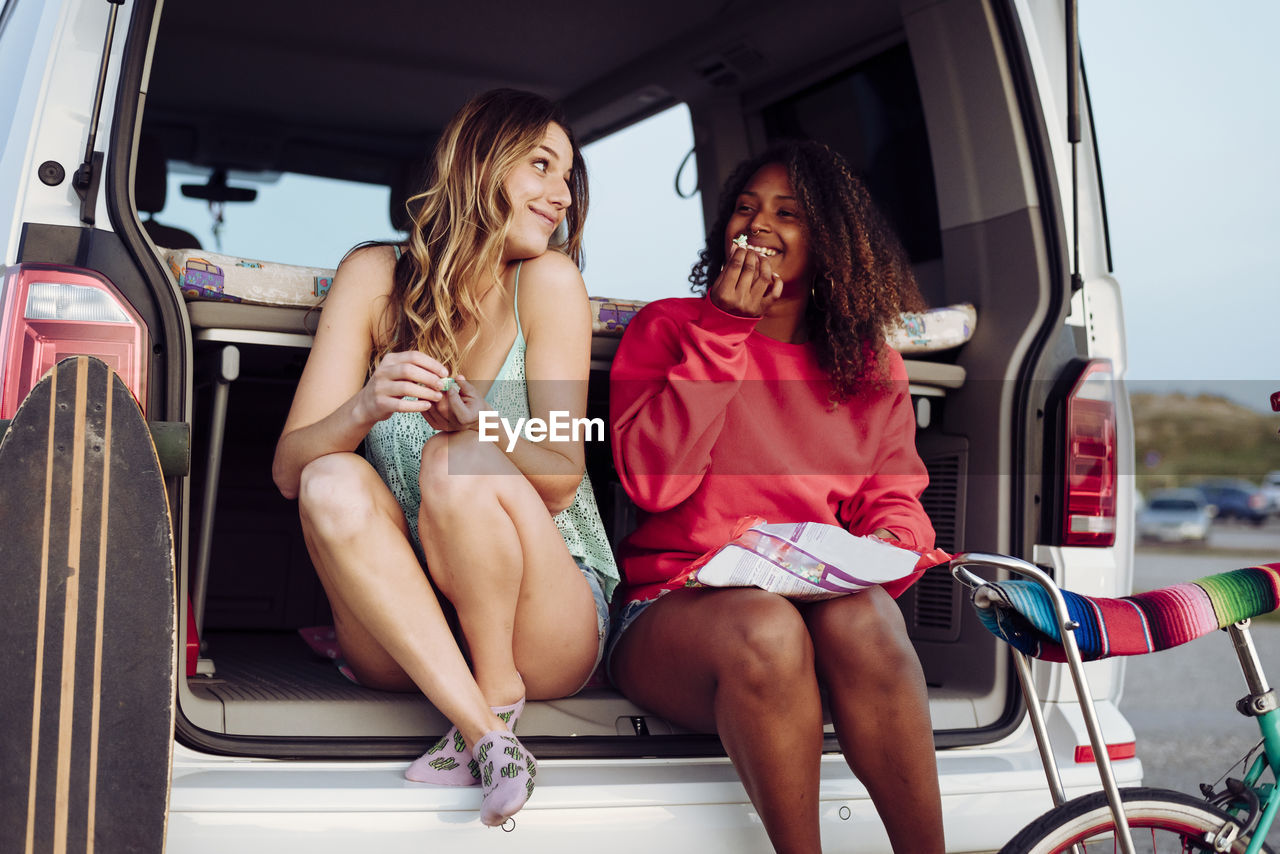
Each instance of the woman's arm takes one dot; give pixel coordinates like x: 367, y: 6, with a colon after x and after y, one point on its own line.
x: 889, y: 500
x: 677, y: 369
x: 674, y: 376
x: 334, y: 407
x: 556, y: 318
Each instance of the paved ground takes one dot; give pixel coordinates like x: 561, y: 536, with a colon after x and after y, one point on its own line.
x: 1181, y: 702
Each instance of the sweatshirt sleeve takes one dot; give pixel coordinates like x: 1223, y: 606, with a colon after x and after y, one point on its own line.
x: 890, y: 495
x: 678, y: 366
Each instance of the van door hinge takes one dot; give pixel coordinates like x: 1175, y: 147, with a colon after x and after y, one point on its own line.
x: 86, y: 182
x: 89, y: 176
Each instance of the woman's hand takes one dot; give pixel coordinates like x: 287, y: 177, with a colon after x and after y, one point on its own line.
x: 747, y: 285
x: 408, y: 381
x: 458, y: 410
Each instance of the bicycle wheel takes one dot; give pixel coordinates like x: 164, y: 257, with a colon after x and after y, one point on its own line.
x: 1160, y: 821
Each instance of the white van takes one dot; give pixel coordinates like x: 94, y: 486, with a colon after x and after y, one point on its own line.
x: 954, y: 110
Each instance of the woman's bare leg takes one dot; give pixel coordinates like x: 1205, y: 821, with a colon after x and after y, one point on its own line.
x: 738, y: 662
x: 388, y: 619
x: 495, y: 553
x: 880, y: 707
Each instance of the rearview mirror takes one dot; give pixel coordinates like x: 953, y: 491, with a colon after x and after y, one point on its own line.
x: 217, y: 190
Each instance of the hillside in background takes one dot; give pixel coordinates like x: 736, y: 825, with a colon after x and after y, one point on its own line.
x: 1181, y: 439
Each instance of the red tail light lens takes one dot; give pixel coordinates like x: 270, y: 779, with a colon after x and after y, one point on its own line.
x: 1090, y: 518
x: 48, y: 313
x: 1120, y: 750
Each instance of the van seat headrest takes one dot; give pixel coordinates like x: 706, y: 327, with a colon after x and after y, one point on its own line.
x: 406, y: 184
x: 150, y: 175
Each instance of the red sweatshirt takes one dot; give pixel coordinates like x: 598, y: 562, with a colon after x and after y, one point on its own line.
x: 713, y: 421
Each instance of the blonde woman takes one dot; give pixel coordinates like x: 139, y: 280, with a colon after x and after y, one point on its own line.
x: 474, y: 314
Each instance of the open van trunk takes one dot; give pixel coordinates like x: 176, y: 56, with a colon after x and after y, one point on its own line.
x: 933, y: 101
x: 956, y: 114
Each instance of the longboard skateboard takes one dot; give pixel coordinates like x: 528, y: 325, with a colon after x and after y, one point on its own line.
x: 87, y: 621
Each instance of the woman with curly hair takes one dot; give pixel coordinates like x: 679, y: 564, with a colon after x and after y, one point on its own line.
x: 473, y: 314
x: 774, y: 395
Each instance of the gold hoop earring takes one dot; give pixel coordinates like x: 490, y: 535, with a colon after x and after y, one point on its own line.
x: 813, y: 289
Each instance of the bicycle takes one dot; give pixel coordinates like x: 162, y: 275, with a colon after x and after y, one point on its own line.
x: 1040, y: 620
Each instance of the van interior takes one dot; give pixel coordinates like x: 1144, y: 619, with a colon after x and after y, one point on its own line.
x: 916, y: 94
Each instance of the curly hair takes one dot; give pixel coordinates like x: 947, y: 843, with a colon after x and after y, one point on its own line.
x: 459, y: 223
x: 863, y: 281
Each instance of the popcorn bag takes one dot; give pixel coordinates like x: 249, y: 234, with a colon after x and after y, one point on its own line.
x: 807, y: 561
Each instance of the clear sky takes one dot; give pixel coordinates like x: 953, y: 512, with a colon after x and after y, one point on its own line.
x: 1186, y: 105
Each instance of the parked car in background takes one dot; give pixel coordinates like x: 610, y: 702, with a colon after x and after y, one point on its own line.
x: 1235, y: 499
x: 1176, y: 516
x: 1271, y: 490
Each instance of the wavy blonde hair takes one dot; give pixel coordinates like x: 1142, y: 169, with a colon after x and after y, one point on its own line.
x: 459, y: 224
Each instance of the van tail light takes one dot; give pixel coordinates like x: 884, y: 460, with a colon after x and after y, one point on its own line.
x: 1090, y: 506
x: 49, y: 312
x: 1119, y: 750
x: 192, y: 657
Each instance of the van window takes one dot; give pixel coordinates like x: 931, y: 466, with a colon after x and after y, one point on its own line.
x: 872, y: 114
x: 642, y: 238
x: 296, y: 219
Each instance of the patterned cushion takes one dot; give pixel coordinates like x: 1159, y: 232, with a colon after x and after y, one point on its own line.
x: 1022, y: 613
x: 206, y: 275
x: 609, y: 317
x: 933, y: 330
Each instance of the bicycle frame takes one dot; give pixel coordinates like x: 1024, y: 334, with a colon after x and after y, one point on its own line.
x: 1260, y: 702
x: 1075, y: 664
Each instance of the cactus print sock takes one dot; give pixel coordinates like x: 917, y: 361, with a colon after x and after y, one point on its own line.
x: 507, y: 770
x: 449, y: 761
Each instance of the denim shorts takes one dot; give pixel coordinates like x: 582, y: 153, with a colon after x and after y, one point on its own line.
x: 627, y: 615
x: 602, y: 616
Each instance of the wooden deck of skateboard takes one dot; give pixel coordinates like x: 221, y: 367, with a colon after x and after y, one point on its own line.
x: 87, y: 621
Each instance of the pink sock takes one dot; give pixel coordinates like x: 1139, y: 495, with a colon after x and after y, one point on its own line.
x: 507, y: 770
x: 449, y: 761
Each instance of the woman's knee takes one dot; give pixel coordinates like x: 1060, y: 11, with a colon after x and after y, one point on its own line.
x: 335, y: 496
x: 862, y: 633
x: 763, y: 640
x: 455, y: 468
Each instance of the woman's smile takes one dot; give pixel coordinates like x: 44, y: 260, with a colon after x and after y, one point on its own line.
x: 768, y: 220
x: 552, y: 220
x: 539, y: 185
x: 744, y: 241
